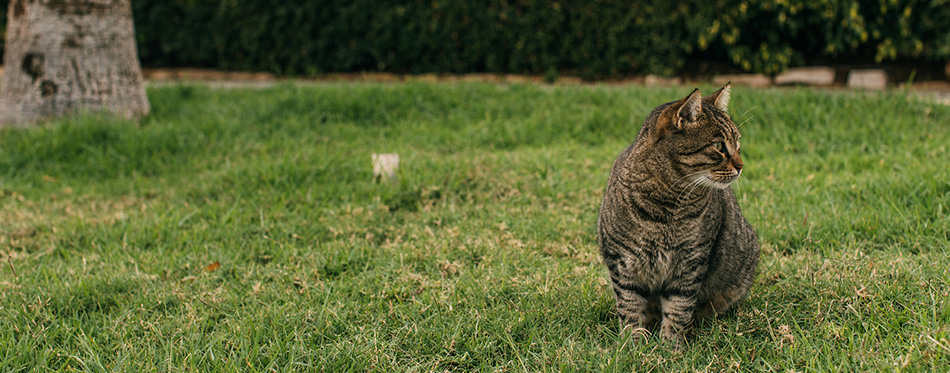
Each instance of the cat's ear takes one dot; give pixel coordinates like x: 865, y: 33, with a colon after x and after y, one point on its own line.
x: 720, y: 98
x: 680, y: 114
x: 687, y: 110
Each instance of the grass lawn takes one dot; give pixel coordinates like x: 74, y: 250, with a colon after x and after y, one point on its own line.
x: 240, y: 230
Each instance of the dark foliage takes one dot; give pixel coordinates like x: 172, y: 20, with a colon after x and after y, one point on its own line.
x: 586, y: 38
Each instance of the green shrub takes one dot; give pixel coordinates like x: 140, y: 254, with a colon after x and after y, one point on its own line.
x: 770, y: 35
x: 587, y: 38
x: 455, y: 36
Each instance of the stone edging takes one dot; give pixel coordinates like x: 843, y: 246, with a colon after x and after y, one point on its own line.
x: 814, y: 76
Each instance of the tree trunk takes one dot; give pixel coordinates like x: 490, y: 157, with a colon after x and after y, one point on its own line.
x: 68, y: 55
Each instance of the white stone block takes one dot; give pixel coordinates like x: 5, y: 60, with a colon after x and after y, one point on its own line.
x: 867, y: 79
x: 816, y: 75
x: 746, y: 80
x: 653, y: 80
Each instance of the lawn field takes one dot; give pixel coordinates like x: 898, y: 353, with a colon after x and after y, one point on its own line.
x: 241, y: 230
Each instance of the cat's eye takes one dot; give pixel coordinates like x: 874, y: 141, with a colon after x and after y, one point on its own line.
x: 720, y: 146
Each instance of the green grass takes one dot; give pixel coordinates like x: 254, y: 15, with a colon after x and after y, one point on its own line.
x: 482, y: 256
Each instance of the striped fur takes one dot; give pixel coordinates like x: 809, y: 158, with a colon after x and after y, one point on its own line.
x: 670, y: 229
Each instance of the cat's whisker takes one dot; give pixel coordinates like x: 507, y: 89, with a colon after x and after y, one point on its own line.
x: 696, y: 183
x: 708, y: 185
x: 747, y: 112
x: 680, y: 196
x: 688, y: 175
x: 744, y: 121
x: 672, y: 188
x: 689, y: 189
x: 739, y: 177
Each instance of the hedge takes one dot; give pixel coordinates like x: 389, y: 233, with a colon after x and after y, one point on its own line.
x: 455, y: 36
x: 770, y: 35
x: 590, y: 38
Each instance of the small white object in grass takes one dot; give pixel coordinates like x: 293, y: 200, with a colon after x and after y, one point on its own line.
x: 385, y: 166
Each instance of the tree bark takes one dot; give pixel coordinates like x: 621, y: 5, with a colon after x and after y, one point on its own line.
x: 68, y: 55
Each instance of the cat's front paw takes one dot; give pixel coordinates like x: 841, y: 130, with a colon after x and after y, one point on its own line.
x: 675, y: 341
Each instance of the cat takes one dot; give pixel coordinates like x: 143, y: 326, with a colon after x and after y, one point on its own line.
x: 670, y: 230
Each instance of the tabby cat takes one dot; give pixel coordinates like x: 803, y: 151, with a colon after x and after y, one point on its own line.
x: 670, y: 229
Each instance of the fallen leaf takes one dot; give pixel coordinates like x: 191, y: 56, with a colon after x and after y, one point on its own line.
x: 213, y: 267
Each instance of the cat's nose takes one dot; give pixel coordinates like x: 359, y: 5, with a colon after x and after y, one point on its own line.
x: 737, y: 163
